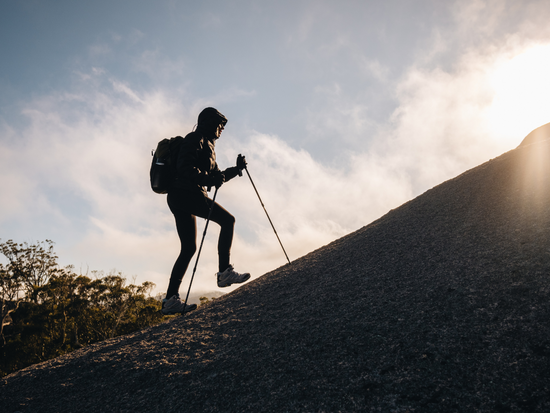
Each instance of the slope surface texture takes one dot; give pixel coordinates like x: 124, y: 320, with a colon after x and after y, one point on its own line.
x: 441, y: 305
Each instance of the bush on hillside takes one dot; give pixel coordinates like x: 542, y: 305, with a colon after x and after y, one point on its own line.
x: 47, y: 311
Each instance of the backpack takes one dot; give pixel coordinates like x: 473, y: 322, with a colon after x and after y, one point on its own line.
x: 164, y: 164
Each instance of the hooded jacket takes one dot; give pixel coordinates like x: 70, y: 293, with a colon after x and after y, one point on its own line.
x: 196, y: 164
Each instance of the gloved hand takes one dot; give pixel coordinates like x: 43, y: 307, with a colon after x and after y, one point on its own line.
x: 216, y: 179
x: 241, y: 162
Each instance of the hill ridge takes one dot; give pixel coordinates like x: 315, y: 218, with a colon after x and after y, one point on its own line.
x: 439, y: 305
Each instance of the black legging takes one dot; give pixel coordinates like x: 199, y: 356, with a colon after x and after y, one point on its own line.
x: 186, y: 206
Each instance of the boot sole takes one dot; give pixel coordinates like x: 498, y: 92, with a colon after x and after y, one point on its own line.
x: 190, y: 307
x: 228, y: 284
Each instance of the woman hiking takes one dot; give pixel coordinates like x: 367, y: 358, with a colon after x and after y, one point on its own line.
x: 187, y: 199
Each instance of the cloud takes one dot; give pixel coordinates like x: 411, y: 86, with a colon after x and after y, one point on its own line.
x: 86, y: 155
x: 462, y: 101
x: 309, y: 203
x: 375, y: 69
x: 79, y: 168
x: 450, y: 120
x: 82, y: 163
x: 90, y: 150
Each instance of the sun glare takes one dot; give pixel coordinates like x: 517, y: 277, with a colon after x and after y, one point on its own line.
x: 522, y: 95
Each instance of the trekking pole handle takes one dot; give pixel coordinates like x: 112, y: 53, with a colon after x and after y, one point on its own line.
x: 241, y: 164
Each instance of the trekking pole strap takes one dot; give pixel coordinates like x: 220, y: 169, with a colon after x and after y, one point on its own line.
x: 265, y: 210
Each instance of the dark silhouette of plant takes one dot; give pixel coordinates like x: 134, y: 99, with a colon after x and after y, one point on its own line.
x: 32, y: 264
x: 48, y: 311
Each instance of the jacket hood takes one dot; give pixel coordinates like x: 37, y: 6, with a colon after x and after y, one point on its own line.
x: 210, y: 118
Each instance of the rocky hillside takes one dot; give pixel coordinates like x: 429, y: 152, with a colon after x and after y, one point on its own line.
x: 441, y: 305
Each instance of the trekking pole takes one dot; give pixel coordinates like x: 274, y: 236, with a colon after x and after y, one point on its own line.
x: 272, y: 226
x: 200, y: 248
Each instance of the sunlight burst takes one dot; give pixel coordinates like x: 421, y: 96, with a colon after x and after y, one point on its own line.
x: 522, y: 94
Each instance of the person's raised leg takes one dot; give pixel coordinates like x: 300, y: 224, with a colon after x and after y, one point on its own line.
x: 226, y: 275
x: 226, y: 221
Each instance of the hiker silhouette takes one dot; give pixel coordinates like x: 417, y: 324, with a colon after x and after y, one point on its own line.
x: 197, y: 170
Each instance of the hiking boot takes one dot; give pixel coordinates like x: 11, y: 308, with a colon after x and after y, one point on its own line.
x: 175, y: 306
x: 230, y: 276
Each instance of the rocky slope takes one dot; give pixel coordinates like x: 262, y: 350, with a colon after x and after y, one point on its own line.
x: 441, y: 305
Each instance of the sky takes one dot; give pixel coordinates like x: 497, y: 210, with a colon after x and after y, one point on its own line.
x: 343, y: 109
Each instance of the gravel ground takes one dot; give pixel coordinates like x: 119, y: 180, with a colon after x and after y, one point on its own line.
x: 441, y: 305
